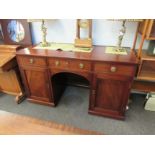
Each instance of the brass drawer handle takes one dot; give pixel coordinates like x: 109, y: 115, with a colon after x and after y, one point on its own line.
x: 31, y: 61
x: 57, y: 63
x: 113, y: 69
x: 81, y: 65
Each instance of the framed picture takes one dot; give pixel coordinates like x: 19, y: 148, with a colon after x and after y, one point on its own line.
x: 16, y: 32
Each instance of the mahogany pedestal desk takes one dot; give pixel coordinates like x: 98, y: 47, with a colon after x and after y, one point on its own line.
x: 44, y: 73
x: 10, y: 81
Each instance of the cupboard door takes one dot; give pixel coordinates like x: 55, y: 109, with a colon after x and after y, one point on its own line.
x: 110, y: 95
x: 37, y: 83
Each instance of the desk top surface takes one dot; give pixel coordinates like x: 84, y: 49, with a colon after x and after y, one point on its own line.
x: 98, y: 54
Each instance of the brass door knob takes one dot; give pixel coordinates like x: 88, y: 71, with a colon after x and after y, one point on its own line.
x: 113, y: 69
x: 31, y: 61
x: 57, y: 63
x: 81, y: 65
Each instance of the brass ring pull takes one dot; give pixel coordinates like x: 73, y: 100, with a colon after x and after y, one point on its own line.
x: 113, y: 69
x: 57, y: 63
x: 31, y: 61
x: 81, y: 65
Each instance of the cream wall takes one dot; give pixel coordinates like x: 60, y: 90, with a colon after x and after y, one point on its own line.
x: 105, y: 32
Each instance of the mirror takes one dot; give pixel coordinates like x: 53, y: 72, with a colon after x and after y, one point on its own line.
x: 16, y: 31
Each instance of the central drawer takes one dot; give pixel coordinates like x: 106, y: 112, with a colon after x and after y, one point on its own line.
x: 114, y: 68
x: 75, y: 65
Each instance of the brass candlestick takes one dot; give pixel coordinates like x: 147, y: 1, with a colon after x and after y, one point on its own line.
x: 44, y: 33
x: 119, y: 49
x: 120, y: 37
x: 44, y: 42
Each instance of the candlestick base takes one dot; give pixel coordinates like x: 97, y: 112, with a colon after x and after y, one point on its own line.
x: 116, y: 50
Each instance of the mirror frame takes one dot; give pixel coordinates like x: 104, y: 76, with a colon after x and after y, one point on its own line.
x: 27, y: 41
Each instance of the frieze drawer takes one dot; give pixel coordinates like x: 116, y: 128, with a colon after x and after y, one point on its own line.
x: 32, y: 61
x: 114, y: 68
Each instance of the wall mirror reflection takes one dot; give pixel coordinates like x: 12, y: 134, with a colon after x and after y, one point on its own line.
x: 16, y: 31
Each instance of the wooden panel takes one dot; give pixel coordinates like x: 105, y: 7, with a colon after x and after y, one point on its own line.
x: 146, y: 56
x: 31, y: 61
x: 107, y: 96
x: 149, y: 28
x: 9, y: 83
x: 7, y: 63
x: 111, y: 95
x: 147, y: 70
x: 141, y: 27
x: 143, y: 86
x: 8, y: 49
x: 153, y: 30
x: 149, y: 31
x: 5, y: 58
x: 86, y: 75
x: 119, y: 69
x: 113, y: 90
x: 36, y: 81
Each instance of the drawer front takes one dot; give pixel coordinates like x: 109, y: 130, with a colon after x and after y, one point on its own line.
x: 31, y: 61
x: 114, y: 69
x: 75, y: 65
x: 80, y: 65
x: 58, y: 63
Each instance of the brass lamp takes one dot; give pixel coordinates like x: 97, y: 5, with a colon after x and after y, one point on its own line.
x: 119, y: 49
x: 44, y: 33
x: 44, y: 42
x: 120, y: 37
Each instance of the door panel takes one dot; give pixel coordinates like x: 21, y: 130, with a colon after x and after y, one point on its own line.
x: 110, y: 95
x: 37, y: 83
